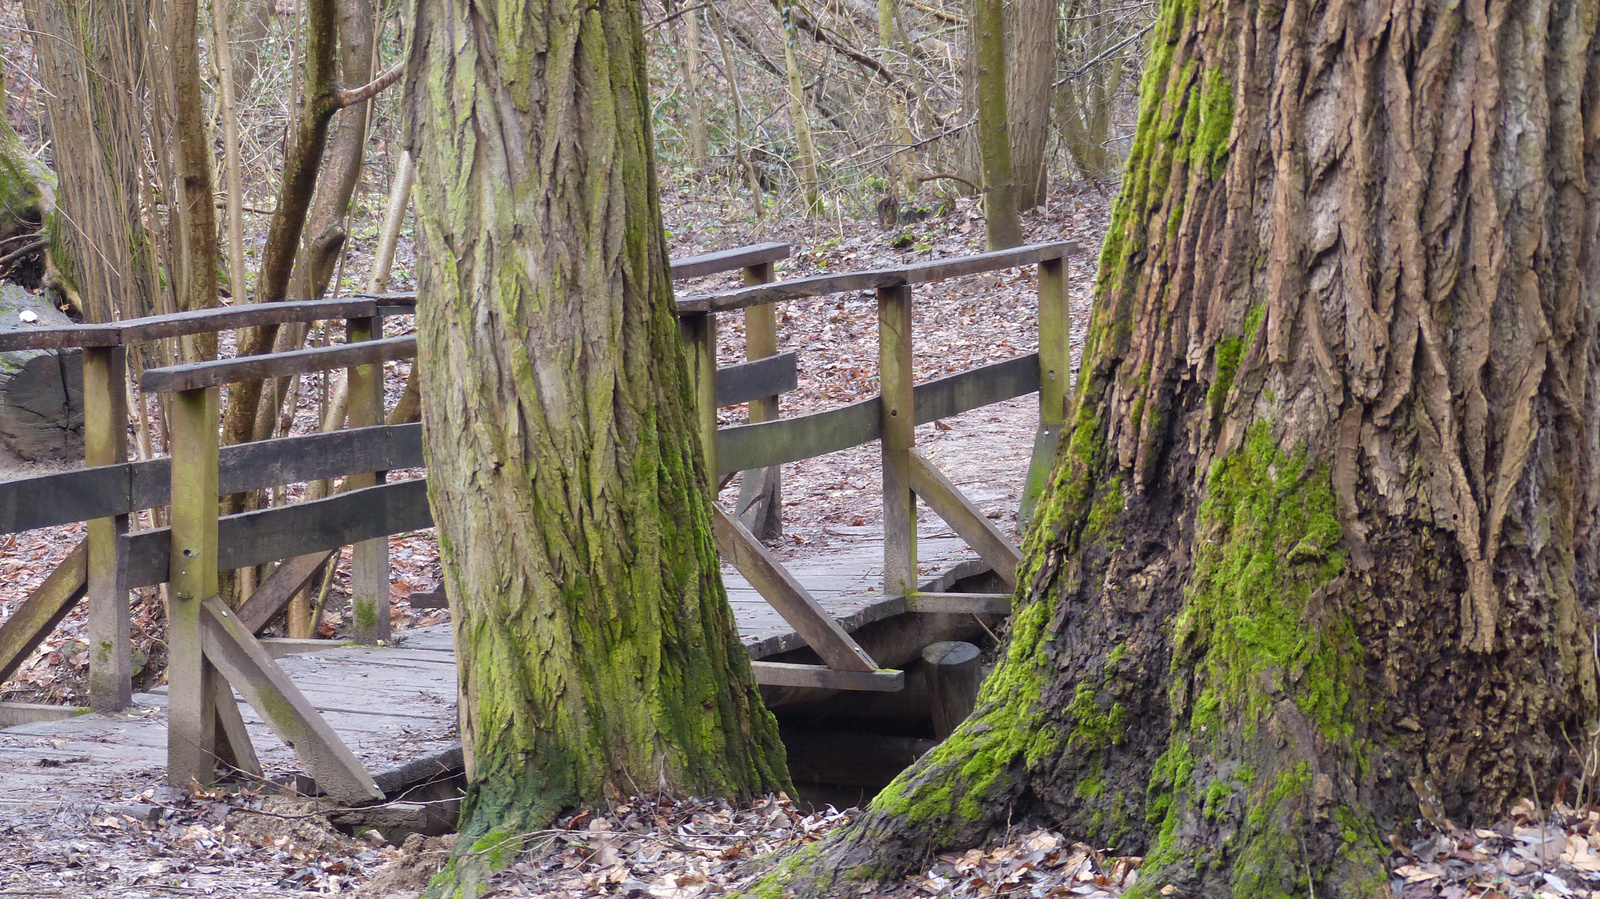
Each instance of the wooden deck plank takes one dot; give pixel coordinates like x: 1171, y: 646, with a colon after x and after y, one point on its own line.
x: 391, y: 704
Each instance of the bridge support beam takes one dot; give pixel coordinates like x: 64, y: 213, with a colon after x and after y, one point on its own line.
x: 1055, y: 380
x: 898, y: 437
x: 105, y: 415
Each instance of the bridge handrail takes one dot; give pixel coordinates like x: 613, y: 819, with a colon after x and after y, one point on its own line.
x: 185, y: 324
x: 874, y: 279
x: 205, y: 321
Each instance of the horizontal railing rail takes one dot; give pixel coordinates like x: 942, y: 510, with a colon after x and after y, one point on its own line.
x: 215, y: 373
x: 186, y: 324
x: 296, y: 529
x: 899, y: 276
x: 110, y: 490
x: 743, y: 447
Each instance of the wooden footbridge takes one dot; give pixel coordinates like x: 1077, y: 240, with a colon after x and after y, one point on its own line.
x: 214, y: 650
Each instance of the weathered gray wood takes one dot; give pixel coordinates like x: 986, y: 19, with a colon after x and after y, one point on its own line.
x: 700, y: 345
x: 760, y: 504
x: 105, y: 373
x: 744, y: 447
x: 976, y: 388
x: 249, y: 315
x: 280, y: 703
x: 786, y: 674
x: 254, y: 538
x: 791, y: 600
x: 954, y: 671
x: 1055, y: 377
x: 16, y: 714
x: 756, y: 380
x: 279, y: 647
x: 48, y: 500
x: 939, y: 269
x: 967, y: 520
x: 191, y: 560
x: 899, y: 435
x: 62, y: 338
x: 960, y: 603
x: 291, y: 460
x: 102, y: 492
x: 43, y: 610
x: 275, y: 365
x: 179, y: 324
x: 728, y: 260
x: 262, y: 605
x: 234, y: 749
x: 369, y: 559
x: 799, y: 288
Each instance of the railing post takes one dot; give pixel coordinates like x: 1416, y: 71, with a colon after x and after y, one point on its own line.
x: 369, y: 561
x: 899, y: 434
x: 760, y: 507
x: 191, y: 680
x: 700, y: 344
x: 105, y: 439
x: 1055, y: 371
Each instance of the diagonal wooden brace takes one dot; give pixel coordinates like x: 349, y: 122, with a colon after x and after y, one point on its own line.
x: 251, y: 671
x: 947, y: 501
x: 775, y: 584
x: 38, y: 616
x: 267, y: 600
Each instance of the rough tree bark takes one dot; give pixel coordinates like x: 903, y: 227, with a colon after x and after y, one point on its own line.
x: 1321, y: 537
x: 1030, y: 74
x: 1002, y: 229
x: 597, y: 649
x: 799, y: 117
x: 27, y: 202
x: 91, y: 62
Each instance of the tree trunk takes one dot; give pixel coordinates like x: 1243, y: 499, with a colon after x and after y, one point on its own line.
x: 1002, y: 229
x: 196, y: 238
x: 1030, y: 75
x: 250, y: 31
x: 301, y: 165
x: 597, y: 649
x: 806, y: 148
x: 902, y: 165
x: 1321, y: 537
x: 92, y: 66
x: 686, y: 29
x: 27, y: 202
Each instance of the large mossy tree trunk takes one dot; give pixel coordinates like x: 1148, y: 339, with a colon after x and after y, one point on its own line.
x: 597, y: 649
x: 1321, y: 534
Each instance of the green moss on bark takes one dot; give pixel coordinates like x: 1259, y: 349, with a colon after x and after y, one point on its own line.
x: 1260, y: 665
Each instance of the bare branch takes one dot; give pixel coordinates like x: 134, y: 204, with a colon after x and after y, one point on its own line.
x: 354, y: 95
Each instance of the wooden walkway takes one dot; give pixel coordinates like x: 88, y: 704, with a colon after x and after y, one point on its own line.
x: 394, y: 705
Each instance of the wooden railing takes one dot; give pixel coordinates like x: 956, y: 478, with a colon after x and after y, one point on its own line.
x: 890, y: 418
x: 204, y: 633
